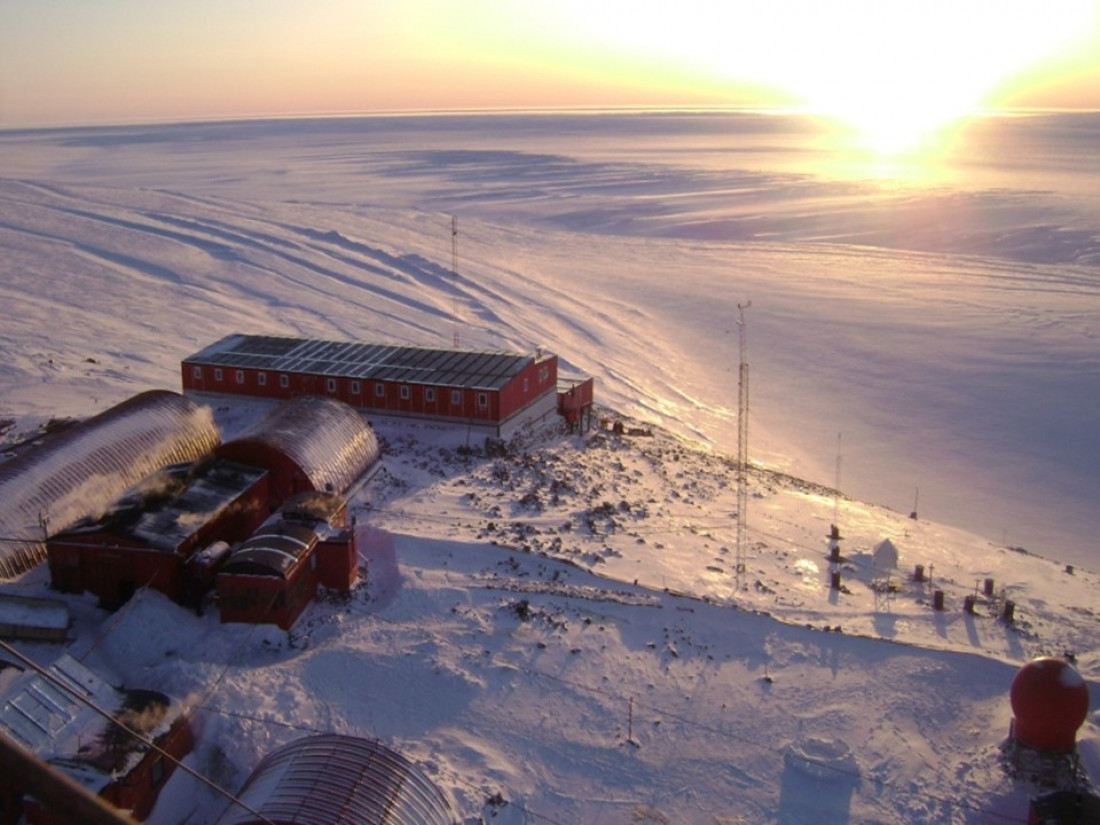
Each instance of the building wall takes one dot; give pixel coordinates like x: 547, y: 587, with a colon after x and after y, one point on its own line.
x: 533, y: 382
x: 260, y: 599
x: 285, y: 476
x: 257, y: 599
x: 338, y: 562
x: 113, y: 566
x: 138, y: 790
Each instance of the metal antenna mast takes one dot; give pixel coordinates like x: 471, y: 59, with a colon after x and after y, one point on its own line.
x: 454, y: 274
x: 742, y: 443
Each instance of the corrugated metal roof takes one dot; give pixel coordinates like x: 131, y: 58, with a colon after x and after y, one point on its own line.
x: 273, y: 549
x: 339, y: 780
x: 278, y: 543
x: 82, y: 469
x: 327, y: 439
x: 380, y: 362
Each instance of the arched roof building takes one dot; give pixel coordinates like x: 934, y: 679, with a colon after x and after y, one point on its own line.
x: 308, y: 443
x: 331, y: 779
x: 78, y: 471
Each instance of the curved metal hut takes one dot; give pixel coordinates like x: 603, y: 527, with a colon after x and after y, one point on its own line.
x: 331, y: 779
x: 79, y: 471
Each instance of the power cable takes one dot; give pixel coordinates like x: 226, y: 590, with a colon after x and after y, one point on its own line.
x: 127, y: 730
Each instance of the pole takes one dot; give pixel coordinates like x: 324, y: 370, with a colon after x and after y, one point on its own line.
x: 742, y: 443
x: 454, y: 274
x: 836, y: 487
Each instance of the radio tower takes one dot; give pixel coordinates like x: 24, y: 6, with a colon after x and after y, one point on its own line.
x: 742, y: 443
x: 454, y: 274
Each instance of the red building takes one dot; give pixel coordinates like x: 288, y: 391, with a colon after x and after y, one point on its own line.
x: 576, y: 395
x: 497, y: 391
x: 50, y: 713
x: 273, y: 575
x: 161, y: 533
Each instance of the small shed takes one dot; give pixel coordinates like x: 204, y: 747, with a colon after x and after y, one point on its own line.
x: 306, y: 444
x: 330, y: 779
x: 41, y: 620
x: 576, y: 394
x: 272, y: 576
x: 50, y: 713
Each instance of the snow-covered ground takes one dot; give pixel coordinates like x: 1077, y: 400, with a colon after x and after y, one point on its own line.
x: 563, y: 625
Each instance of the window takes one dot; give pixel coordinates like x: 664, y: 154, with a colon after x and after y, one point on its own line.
x: 525, y: 381
x: 456, y: 397
x: 240, y: 376
x: 284, y: 381
x: 380, y: 390
x: 404, y: 392
x: 196, y: 372
x: 544, y: 373
x: 331, y: 384
x: 261, y: 379
x: 218, y: 374
x: 482, y: 400
x: 156, y: 771
x: 429, y: 395
x: 355, y: 388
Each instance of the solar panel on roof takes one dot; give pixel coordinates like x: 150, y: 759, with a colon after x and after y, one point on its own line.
x: 362, y: 360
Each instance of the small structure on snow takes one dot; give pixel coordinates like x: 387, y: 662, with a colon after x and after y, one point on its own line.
x: 331, y: 779
x: 40, y: 620
x: 50, y: 713
x: 1050, y: 701
x: 885, y: 557
x: 271, y: 577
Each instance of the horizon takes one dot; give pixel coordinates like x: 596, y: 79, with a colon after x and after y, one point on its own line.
x: 594, y: 109
x: 71, y: 66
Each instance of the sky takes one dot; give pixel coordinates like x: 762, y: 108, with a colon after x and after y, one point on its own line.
x: 873, y: 63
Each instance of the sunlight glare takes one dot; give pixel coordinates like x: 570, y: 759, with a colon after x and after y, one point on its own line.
x: 900, y: 75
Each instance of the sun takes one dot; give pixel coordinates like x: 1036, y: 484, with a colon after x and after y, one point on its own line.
x: 900, y: 75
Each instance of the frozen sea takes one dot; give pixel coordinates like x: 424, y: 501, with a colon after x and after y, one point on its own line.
x: 922, y: 330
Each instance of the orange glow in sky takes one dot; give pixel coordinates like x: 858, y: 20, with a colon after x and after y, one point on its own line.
x: 895, y: 72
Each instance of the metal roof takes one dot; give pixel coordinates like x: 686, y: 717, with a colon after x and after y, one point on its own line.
x: 331, y: 779
x: 80, y: 470
x: 273, y: 549
x: 285, y: 537
x: 331, y: 442
x: 377, y: 362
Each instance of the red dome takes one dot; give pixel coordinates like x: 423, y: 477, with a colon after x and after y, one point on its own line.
x: 1050, y: 701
